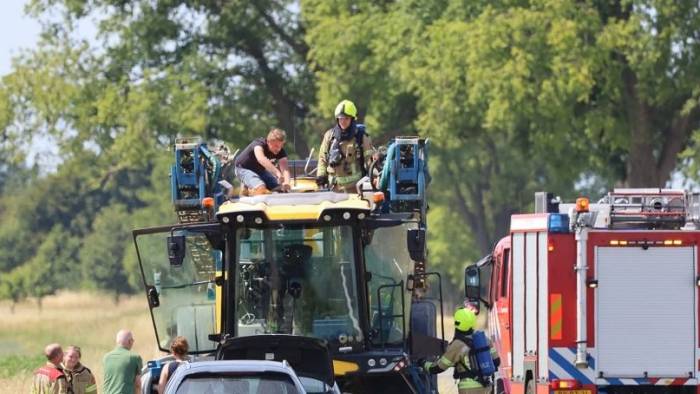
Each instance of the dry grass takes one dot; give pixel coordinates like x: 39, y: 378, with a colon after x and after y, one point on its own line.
x: 88, y: 320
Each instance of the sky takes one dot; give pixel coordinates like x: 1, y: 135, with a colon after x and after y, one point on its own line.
x: 16, y: 31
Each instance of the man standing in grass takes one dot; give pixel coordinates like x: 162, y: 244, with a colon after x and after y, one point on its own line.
x: 122, y: 367
x: 50, y: 379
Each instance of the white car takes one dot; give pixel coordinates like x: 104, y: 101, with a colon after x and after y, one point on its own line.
x: 309, y: 357
x: 235, y: 377
x: 267, y: 363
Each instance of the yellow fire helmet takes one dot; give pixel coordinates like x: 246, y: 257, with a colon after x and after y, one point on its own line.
x: 346, y: 107
x: 465, y: 319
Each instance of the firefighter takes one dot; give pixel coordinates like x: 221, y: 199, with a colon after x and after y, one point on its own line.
x: 457, y: 355
x: 80, y: 378
x: 50, y: 378
x: 345, y: 151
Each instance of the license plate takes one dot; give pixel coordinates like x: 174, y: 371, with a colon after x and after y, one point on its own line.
x: 572, y: 391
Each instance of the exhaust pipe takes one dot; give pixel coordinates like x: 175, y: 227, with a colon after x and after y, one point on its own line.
x: 581, y: 288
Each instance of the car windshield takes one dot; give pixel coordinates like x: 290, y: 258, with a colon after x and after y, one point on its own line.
x: 237, y: 383
x: 298, y: 279
x: 314, y: 386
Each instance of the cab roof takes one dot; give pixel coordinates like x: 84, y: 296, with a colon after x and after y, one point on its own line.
x: 294, y: 206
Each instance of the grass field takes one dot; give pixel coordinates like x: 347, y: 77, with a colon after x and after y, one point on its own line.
x: 88, y: 320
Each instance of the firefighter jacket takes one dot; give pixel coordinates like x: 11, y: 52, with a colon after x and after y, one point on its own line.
x: 354, y: 159
x: 457, y: 355
x: 80, y: 380
x: 49, y: 380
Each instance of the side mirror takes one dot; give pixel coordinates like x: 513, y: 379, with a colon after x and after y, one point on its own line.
x: 472, y: 289
x: 153, y: 298
x: 176, y: 250
x: 415, y: 242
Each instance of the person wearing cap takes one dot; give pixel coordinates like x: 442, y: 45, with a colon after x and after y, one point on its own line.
x: 457, y: 355
x: 346, y: 151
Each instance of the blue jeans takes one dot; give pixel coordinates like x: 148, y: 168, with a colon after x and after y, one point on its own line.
x: 253, y: 180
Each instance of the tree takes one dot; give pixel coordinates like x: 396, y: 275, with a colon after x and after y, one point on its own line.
x: 519, y: 96
x: 476, y: 167
x: 248, y: 56
x: 12, y: 288
x: 102, y: 253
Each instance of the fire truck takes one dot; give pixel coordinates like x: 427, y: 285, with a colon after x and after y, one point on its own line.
x: 591, y: 297
x: 347, y: 269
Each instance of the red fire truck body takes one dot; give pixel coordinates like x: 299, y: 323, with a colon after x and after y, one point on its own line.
x: 597, y: 298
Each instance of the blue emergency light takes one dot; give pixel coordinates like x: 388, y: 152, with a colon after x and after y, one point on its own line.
x: 558, y: 223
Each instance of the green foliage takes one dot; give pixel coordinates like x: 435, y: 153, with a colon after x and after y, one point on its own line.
x: 516, y: 96
x: 14, y: 365
x: 247, y: 59
x: 102, y: 254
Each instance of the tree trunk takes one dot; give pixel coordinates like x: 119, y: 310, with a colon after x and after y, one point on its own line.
x: 477, y: 222
x: 649, y: 165
x: 641, y: 163
x: 284, y: 106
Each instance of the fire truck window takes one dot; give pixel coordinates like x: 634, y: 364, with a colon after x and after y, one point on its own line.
x: 485, y: 280
x: 505, y: 264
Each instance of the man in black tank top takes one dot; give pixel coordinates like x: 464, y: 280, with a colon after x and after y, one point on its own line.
x: 257, y: 166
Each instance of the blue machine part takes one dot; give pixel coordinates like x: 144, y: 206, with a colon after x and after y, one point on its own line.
x: 405, y: 173
x: 405, y: 176
x: 558, y: 223
x: 194, y: 176
x: 155, y: 367
x: 423, y: 383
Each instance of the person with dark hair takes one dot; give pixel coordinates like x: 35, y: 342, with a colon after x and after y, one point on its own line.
x: 80, y: 378
x: 178, y: 348
x: 50, y: 378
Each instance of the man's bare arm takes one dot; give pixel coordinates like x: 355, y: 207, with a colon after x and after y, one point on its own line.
x: 265, y: 162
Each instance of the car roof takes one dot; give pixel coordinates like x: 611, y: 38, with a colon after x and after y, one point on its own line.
x: 237, y: 366
x: 224, y: 366
x: 308, y: 357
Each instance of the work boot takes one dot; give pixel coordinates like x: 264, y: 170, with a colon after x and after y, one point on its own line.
x: 280, y: 189
x: 258, y: 191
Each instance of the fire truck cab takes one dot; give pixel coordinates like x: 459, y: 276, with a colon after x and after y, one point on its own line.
x: 602, y: 297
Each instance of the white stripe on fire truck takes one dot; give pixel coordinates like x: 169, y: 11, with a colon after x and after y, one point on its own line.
x: 562, y: 366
